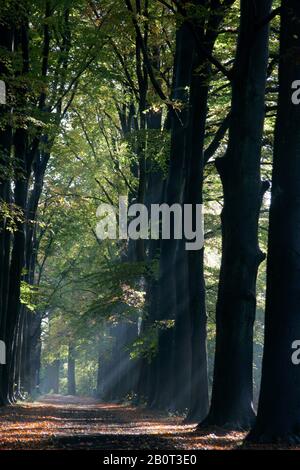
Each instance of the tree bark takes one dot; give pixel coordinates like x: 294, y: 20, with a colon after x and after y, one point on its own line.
x: 231, y: 404
x: 278, y: 417
x: 184, y: 185
x: 195, y: 269
x: 6, y: 44
x: 185, y: 43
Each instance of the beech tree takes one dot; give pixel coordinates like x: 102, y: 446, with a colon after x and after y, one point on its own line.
x: 179, y: 108
x: 243, y: 190
x: 31, y: 119
x: 180, y: 299
x: 277, y: 417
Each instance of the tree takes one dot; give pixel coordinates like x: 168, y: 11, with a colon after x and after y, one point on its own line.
x: 239, y: 170
x: 181, y: 299
x: 278, y: 410
x: 6, y: 34
x: 71, y: 369
x: 40, y: 93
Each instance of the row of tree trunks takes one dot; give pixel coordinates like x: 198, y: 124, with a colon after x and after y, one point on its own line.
x: 32, y: 327
x: 20, y: 152
x: 23, y: 155
x: 183, y: 61
x: 182, y: 350
x: 51, y: 380
x: 13, y: 323
x: 6, y: 43
x: 118, y: 374
x: 153, y: 195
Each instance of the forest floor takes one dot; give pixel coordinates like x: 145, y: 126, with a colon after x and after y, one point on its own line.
x: 65, y: 422
x: 60, y: 422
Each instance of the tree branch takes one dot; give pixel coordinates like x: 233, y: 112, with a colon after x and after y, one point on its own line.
x: 148, y: 65
x: 213, y: 146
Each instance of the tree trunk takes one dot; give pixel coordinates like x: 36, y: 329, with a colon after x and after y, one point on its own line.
x: 71, y: 370
x: 52, y: 377
x: 17, y: 260
x: 184, y: 185
x: 6, y: 44
x: 195, y: 271
x: 278, y: 418
x: 231, y: 404
x: 173, y: 194
x: 33, y: 356
x: 182, y: 337
x: 100, y: 376
x: 31, y: 360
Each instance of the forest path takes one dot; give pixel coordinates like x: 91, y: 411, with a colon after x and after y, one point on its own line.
x: 65, y: 422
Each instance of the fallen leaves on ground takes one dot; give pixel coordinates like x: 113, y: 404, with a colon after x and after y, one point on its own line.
x: 57, y: 422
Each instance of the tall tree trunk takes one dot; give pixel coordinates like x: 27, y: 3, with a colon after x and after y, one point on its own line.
x: 182, y: 367
x: 278, y: 417
x: 239, y: 170
x: 32, y: 360
x: 71, y: 370
x: 184, y: 185
x: 100, y: 375
x: 16, y: 267
x: 6, y: 44
x: 52, y: 377
x: 32, y: 330
x: 153, y: 195
x: 195, y: 271
x: 185, y: 44
x: 23, y: 156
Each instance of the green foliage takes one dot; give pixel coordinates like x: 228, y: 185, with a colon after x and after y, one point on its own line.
x: 12, y: 214
x: 147, y: 342
x: 29, y: 296
x: 86, y: 284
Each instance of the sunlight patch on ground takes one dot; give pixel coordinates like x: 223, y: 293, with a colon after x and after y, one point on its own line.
x: 71, y: 422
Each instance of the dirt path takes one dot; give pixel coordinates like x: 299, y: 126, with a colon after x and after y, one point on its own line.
x: 57, y: 422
